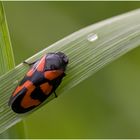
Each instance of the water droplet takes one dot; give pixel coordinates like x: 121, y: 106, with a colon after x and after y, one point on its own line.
x: 92, y: 37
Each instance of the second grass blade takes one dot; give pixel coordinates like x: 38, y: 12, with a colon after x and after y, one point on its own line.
x: 6, y: 53
x: 7, y: 63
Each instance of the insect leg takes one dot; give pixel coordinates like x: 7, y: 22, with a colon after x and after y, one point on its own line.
x: 55, y: 94
x: 30, y: 64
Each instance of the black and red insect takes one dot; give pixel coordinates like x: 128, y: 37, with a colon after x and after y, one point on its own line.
x: 42, y: 79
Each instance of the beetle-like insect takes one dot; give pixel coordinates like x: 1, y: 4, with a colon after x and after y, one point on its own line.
x: 42, y: 79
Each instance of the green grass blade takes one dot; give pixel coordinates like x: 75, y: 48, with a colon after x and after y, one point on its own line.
x: 88, y: 50
x: 7, y: 63
x: 6, y: 52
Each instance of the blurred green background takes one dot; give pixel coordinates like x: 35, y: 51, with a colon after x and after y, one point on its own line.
x: 106, y: 105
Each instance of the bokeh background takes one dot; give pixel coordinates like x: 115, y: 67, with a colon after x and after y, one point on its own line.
x: 106, y: 105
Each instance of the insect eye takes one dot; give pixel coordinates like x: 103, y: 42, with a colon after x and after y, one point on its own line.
x: 53, y: 67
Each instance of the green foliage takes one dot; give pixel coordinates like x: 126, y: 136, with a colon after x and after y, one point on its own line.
x: 6, y: 53
x: 89, y: 50
x: 6, y: 63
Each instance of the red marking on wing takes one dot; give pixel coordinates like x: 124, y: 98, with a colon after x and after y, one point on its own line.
x: 27, y: 101
x: 19, y: 88
x: 30, y: 72
x: 46, y: 88
x: 50, y: 75
x: 41, y: 64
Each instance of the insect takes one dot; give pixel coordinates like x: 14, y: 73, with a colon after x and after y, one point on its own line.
x: 42, y: 79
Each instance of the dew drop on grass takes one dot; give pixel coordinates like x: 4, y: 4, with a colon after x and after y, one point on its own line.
x: 92, y: 37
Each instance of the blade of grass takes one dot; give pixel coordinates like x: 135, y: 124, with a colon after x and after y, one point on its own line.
x: 6, y: 53
x: 88, y: 50
x: 7, y: 63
